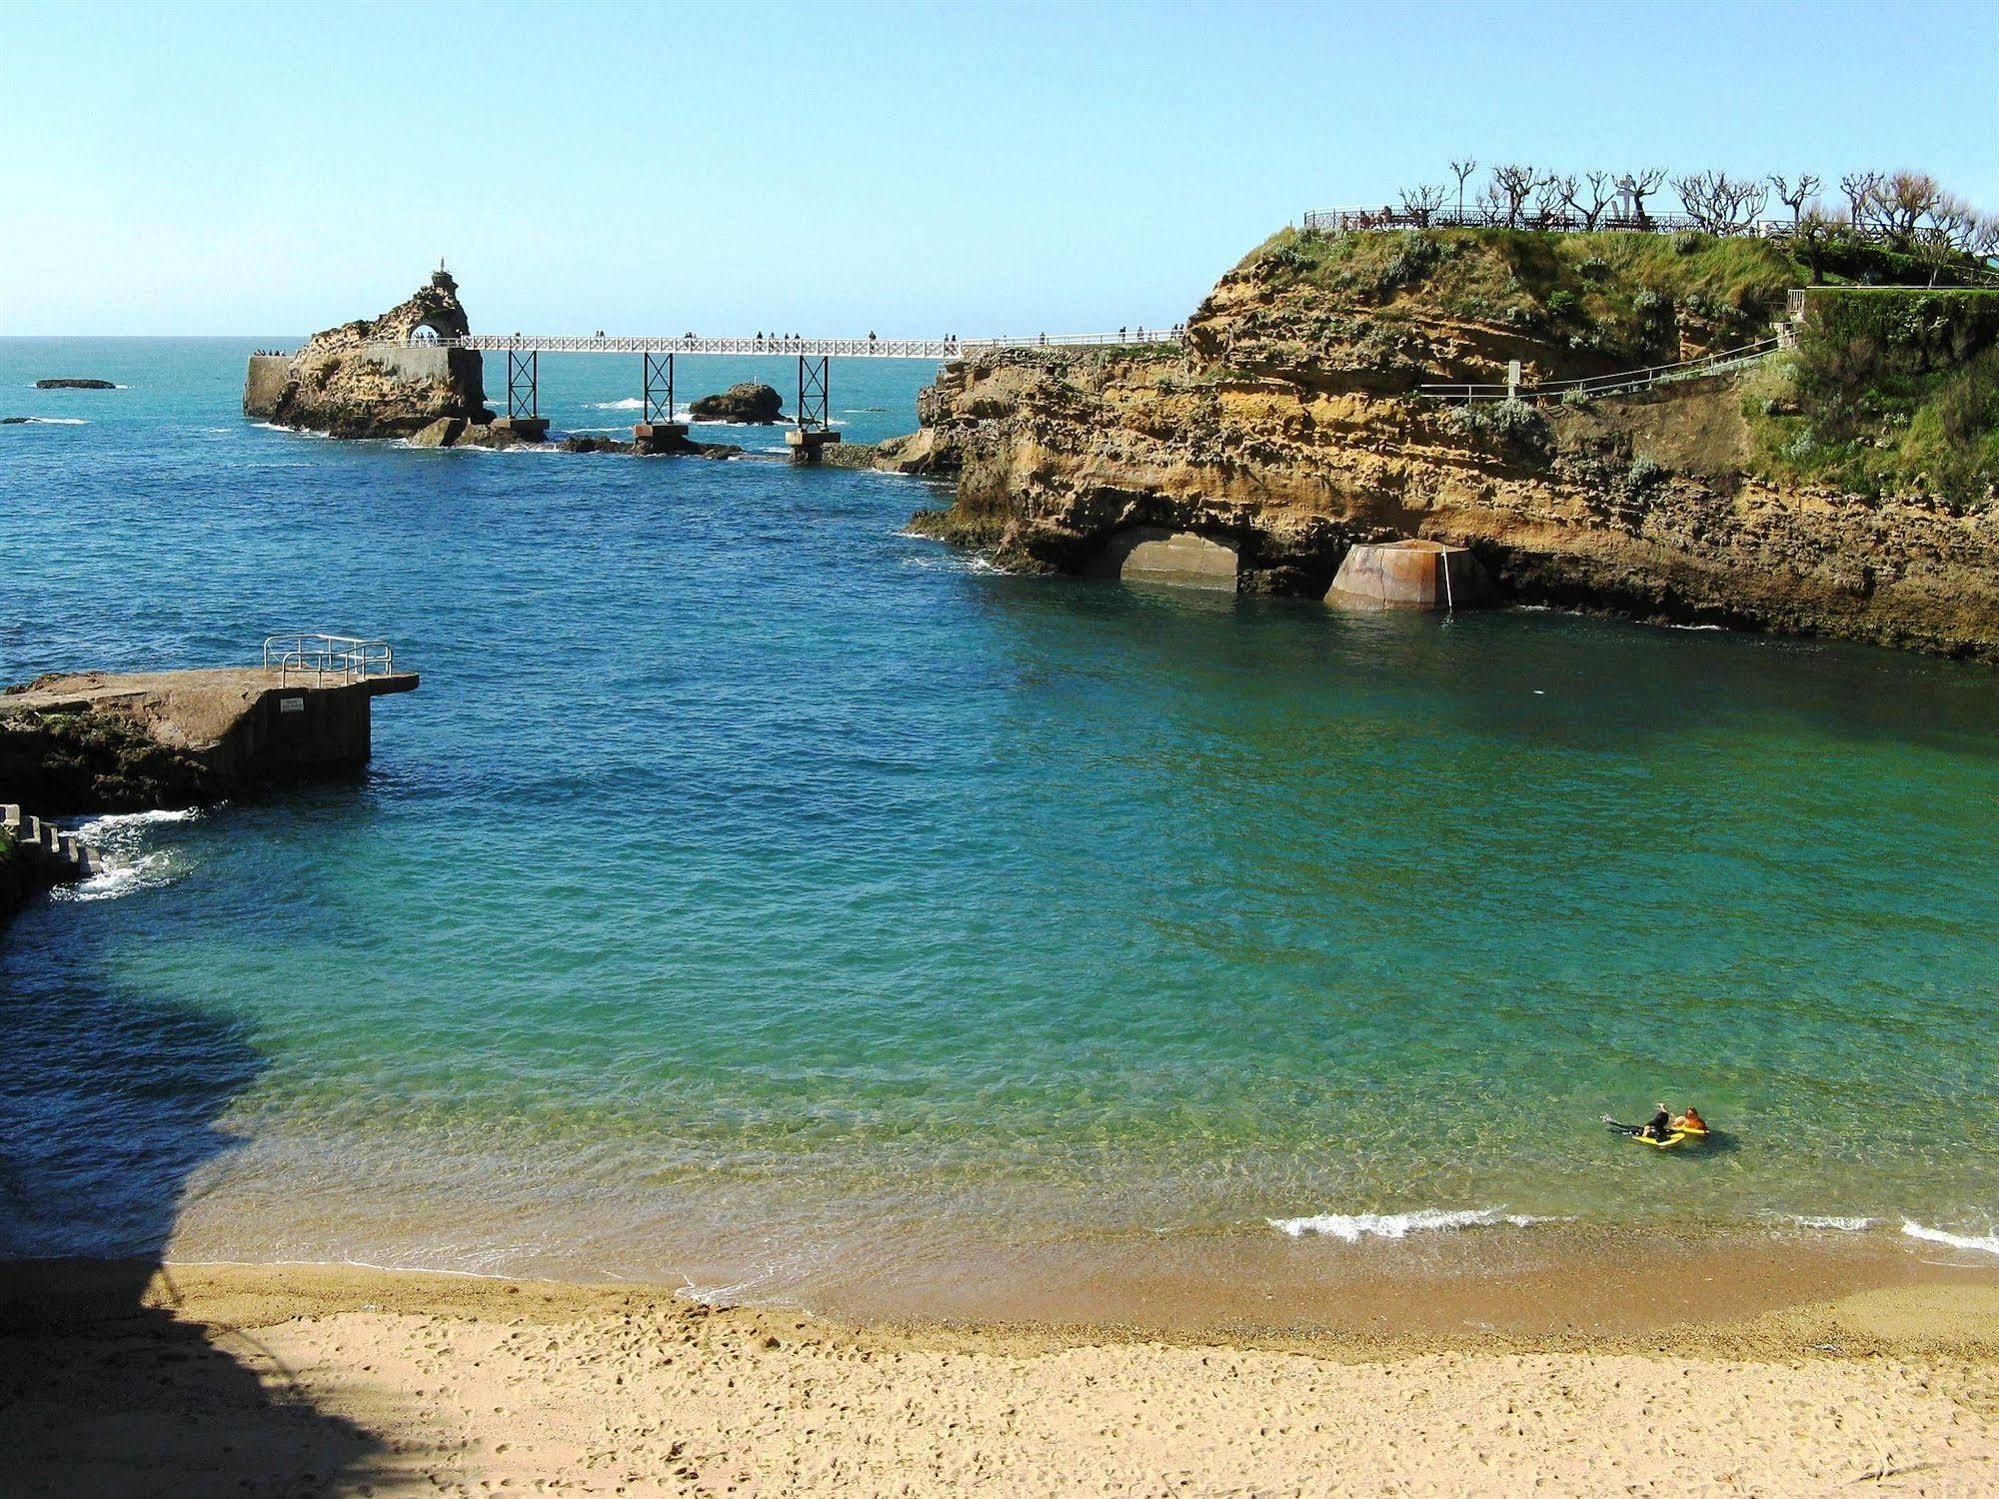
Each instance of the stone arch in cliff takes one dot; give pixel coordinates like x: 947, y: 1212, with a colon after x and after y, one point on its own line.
x: 1155, y: 554
x: 423, y: 336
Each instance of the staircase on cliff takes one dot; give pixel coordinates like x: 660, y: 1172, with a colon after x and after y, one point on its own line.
x: 58, y: 857
x: 1784, y: 335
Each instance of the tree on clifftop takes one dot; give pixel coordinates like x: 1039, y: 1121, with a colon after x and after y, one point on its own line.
x: 1590, y: 205
x: 1422, y: 202
x: 1793, y: 195
x: 1512, y: 185
x: 1462, y: 170
x: 1719, y: 203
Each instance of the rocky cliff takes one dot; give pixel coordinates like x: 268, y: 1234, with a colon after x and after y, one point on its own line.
x: 1289, y: 427
x: 366, y: 378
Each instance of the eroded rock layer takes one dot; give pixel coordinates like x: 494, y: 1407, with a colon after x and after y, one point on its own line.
x: 1289, y: 429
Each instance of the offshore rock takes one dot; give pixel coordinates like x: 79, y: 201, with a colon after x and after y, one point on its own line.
x: 746, y: 402
x: 368, y: 379
x: 1287, y: 431
x: 75, y: 385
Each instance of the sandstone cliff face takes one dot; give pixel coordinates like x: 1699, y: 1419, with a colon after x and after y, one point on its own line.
x: 1288, y: 430
x: 365, y: 378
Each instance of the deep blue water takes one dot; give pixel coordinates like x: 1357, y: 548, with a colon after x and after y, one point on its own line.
x: 755, y: 892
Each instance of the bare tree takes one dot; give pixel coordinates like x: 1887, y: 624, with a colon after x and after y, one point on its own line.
x: 1860, y: 188
x: 1462, y: 170
x: 1551, y: 193
x: 1719, y: 203
x: 1902, y: 202
x: 1638, y: 186
x: 1421, y: 202
x: 1490, y: 206
x: 1590, y: 205
x: 1814, y: 234
x: 1513, y: 185
x: 1984, y: 236
x: 1792, y: 194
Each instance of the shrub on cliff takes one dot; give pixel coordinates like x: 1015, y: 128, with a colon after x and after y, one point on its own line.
x: 1889, y: 390
x: 1511, y: 424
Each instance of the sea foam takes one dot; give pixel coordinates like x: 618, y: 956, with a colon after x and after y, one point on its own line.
x: 1981, y: 1243
x: 1353, y: 1227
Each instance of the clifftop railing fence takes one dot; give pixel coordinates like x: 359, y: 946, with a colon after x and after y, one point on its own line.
x: 1341, y: 220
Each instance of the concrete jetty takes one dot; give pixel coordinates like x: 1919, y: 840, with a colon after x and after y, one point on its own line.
x: 110, y: 741
x: 1412, y: 574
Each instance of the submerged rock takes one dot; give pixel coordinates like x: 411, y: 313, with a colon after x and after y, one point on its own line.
x: 746, y: 402
x: 75, y: 385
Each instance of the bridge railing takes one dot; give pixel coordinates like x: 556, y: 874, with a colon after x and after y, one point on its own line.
x: 340, y: 658
x: 1118, y: 339
x: 864, y: 348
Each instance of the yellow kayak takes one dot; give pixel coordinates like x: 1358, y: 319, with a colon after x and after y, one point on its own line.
x: 1677, y: 1137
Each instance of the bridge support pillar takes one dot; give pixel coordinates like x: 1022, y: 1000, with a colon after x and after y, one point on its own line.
x: 659, y: 437
x: 533, y: 428
x: 805, y: 443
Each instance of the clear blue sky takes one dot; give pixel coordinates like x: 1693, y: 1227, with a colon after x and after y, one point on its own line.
x: 911, y: 168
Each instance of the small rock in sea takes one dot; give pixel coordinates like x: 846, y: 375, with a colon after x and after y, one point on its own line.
x: 75, y: 385
x: 744, y: 402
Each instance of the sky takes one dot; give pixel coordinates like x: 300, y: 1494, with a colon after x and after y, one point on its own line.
x: 913, y: 169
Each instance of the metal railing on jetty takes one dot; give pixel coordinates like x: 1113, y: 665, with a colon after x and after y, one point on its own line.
x: 340, y: 659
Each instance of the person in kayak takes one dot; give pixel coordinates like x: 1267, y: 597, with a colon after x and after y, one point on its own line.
x: 1691, y: 1121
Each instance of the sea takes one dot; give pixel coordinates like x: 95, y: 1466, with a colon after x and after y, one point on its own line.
x: 760, y: 900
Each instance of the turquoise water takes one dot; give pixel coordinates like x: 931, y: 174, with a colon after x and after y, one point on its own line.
x: 757, y: 894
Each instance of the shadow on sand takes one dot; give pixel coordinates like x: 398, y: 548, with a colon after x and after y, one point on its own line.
x: 109, y: 1102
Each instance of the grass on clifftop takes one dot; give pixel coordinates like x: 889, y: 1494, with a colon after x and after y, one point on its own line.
x: 1890, y: 390
x: 1625, y: 296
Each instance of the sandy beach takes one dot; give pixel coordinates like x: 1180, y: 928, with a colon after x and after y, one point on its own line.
x: 294, y: 1381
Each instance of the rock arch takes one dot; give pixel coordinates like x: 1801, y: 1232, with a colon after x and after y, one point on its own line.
x: 1155, y: 554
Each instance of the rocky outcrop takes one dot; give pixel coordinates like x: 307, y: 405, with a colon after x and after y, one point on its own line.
x: 75, y: 385
x: 911, y: 454
x: 746, y: 402
x: 455, y: 432
x: 1287, y: 430
x: 97, y: 760
x: 368, y: 379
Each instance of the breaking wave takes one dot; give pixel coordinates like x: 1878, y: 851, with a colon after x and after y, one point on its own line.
x: 1981, y: 1243
x: 1351, y: 1228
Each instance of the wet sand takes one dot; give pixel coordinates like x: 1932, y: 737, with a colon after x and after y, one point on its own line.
x: 120, y: 1380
